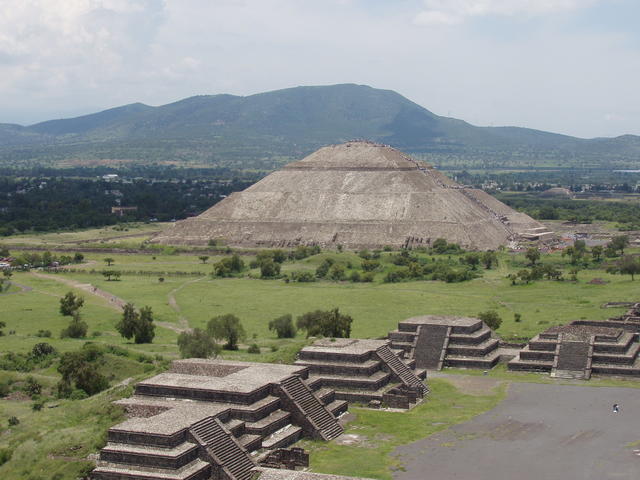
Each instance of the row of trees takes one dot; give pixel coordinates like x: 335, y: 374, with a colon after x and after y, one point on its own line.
x: 203, y: 343
x: 136, y: 325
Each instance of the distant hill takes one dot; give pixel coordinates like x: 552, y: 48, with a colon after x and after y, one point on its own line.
x: 263, y: 130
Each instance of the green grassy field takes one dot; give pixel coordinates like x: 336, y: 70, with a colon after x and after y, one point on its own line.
x: 57, y: 440
x: 377, y: 433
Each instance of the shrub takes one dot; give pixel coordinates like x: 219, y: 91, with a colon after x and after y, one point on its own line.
x: 336, y: 272
x: 370, y: 265
x: 37, y: 406
x: 283, y: 326
x: 269, y: 269
x: 5, y: 455
x: 77, y: 328
x: 13, y: 421
x: 253, y: 348
x: 32, y: 387
x: 226, y: 327
x: 303, y: 277
x: 491, y: 318
x: 42, y: 349
x: 329, y: 323
x: 197, y: 344
x: 44, y: 333
x: 324, y: 267
x: 355, y: 276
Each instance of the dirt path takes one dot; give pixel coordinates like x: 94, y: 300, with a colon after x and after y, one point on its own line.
x: 116, y: 303
x: 182, y: 320
x: 23, y: 289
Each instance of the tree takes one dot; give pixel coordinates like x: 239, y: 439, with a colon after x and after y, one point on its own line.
x: 227, y: 327
x: 533, y: 255
x: 619, y: 243
x: 283, y: 326
x: 146, y: 329
x: 109, y: 261
x: 329, y: 323
x: 491, y: 318
x: 204, y: 258
x: 78, y: 257
x: 575, y: 254
x: 269, y: 269
x: 70, y: 304
x: 77, y: 328
x: 197, y: 344
x: 489, y: 259
x: 138, y: 326
x: 228, y: 265
x: 111, y: 273
x: 127, y: 324
x: 42, y: 349
x: 336, y: 272
x: 80, y: 368
x: 596, y: 252
x: 472, y: 259
x: 629, y: 266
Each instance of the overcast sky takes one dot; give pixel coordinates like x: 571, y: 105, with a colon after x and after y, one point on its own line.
x: 568, y: 66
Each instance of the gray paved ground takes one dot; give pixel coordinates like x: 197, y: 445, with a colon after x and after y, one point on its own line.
x: 540, y: 432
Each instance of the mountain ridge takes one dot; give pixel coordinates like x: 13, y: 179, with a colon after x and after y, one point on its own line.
x: 255, y: 129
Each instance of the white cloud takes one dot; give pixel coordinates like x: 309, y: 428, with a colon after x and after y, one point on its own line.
x: 451, y: 12
x: 66, y: 57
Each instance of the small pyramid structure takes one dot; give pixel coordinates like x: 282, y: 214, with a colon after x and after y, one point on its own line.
x: 359, y: 195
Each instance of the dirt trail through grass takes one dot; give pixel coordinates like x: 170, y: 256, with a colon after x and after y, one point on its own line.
x: 23, y: 289
x: 184, y: 321
x: 113, y: 302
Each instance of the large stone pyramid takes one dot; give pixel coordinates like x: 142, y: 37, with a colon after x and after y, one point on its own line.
x: 357, y: 194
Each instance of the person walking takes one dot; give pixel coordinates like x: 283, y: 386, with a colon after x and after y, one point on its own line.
x: 616, y: 408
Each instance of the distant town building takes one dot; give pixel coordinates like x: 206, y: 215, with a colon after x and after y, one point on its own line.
x: 122, y: 211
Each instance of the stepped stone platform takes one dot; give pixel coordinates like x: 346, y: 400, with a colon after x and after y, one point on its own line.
x: 214, y: 419
x: 434, y: 342
x: 362, y: 371
x: 578, y: 350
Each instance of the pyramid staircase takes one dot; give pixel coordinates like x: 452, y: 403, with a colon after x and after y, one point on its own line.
x: 572, y: 359
x: 310, y: 408
x: 223, y: 448
x: 600, y: 350
x: 435, y: 342
x: 431, y: 344
x: 400, y: 370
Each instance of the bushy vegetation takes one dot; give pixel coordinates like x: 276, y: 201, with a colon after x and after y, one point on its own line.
x: 137, y: 325
x: 227, y: 327
x: 197, y: 344
x: 325, y: 323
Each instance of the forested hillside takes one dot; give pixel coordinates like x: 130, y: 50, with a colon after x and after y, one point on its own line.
x: 265, y: 130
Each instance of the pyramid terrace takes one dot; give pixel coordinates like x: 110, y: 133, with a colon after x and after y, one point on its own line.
x: 363, y: 371
x: 215, y: 419
x: 434, y: 342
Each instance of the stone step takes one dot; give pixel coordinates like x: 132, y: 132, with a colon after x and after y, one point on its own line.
x: 196, y: 470
x: 250, y: 442
x: 173, y: 458
x: 488, y: 361
x: 473, y: 350
x: 338, y: 407
x: 372, y: 382
x: 319, y: 367
x: 283, y: 438
x: 269, y: 424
